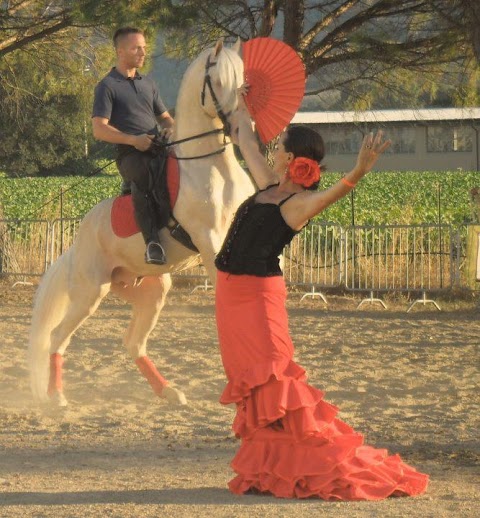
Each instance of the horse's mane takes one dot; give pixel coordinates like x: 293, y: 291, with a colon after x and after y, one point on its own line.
x: 230, y: 70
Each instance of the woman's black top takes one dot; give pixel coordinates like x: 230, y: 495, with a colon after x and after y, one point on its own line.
x: 255, y: 239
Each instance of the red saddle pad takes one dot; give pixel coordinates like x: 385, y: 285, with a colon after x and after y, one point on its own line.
x: 122, y: 216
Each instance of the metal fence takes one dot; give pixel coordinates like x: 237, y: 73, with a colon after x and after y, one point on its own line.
x: 385, y: 258
x: 315, y: 257
x: 399, y: 258
x: 63, y: 233
x: 24, y: 246
x: 466, y: 255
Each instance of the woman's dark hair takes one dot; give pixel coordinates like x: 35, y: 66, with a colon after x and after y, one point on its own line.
x: 305, y: 142
x: 124, y: 31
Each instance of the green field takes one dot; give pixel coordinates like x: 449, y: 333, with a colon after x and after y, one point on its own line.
x: 381, y: 198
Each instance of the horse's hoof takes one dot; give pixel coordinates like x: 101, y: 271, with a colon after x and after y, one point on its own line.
x: 58, y: 399
x: 174, y: 396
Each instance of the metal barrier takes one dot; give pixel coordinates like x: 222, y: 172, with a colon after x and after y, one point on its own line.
x: 196, y: 272
x: 314, y: 258
x: 63, y: 233
x: 399, y: 258
x: 24, y: 247
x: 390, y: 258
x: 466, y: 253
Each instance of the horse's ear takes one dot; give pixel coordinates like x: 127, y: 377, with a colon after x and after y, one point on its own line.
x: 237, y: 46
x: 218, y: 48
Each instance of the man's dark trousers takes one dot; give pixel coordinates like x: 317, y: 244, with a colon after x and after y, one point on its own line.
x: 139, y: 169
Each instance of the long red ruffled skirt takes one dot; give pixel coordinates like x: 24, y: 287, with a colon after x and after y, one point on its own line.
x: 292, y: 444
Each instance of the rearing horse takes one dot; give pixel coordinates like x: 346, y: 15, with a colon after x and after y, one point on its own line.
x: 211, y: 189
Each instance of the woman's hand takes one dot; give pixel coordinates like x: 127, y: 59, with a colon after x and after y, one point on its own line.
x: 372, y: 147
x: 241, y: 93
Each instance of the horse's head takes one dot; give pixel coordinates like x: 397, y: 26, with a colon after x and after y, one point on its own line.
x: 223, y: 75
x: 214, y: 77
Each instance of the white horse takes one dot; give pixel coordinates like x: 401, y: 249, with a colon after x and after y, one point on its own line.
x: 211, y: 189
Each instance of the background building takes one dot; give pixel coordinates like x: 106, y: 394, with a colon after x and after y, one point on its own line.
x: 441, y: 139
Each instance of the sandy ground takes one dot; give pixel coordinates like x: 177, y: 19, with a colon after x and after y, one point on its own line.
x: 406, y: 380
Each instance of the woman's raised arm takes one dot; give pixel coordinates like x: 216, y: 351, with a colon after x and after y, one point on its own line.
x: 309, y: 203
x: 247, y: 141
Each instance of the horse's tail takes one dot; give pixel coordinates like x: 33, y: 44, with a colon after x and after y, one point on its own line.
x: 49, y: 308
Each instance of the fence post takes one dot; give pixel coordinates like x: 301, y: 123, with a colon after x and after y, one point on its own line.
x: 439, y: 202
x: 61, y: 220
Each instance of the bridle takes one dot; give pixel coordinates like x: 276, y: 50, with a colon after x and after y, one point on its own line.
x: 226, y: 128
x: 207, y: 82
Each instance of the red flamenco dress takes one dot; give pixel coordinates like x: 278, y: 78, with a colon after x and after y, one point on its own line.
x: 292, y: 443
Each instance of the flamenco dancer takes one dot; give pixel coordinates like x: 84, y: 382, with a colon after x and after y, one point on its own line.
x: 292, y: 443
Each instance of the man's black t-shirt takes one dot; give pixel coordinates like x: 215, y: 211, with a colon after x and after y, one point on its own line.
x: 130, y: 104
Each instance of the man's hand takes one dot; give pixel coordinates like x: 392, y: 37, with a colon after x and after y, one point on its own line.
x: 142, y: 142
x: 166, y: 133
x: 167, y: 124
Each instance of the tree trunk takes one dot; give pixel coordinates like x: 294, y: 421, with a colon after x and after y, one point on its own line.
x: 269, y: 16
x: 294, y: 13
x: 475, y: 27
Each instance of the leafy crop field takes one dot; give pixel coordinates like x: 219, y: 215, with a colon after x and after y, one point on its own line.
x: 48, y: 198
x: 406, y: 198
x: 381, y: 198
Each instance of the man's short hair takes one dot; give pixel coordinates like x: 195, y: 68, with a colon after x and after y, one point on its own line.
x: 123, y: 32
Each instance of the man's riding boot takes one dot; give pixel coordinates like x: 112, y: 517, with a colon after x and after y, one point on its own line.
x: 145, y: 216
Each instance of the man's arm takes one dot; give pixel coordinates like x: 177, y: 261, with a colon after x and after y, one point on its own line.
x: 103, y: 131
x: 167, y: 123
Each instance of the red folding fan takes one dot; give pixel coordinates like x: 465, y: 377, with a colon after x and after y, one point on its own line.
x: 276, y: 76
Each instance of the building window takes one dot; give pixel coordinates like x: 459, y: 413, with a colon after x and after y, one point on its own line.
x: 342, y: 141
x: 403, y: 139
x: 441, y: 139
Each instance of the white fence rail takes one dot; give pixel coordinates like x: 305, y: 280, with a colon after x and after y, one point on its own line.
x: 399, y: 258
x: 393, y: 258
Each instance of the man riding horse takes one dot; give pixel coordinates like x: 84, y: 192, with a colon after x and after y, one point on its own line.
x: 126, y: 111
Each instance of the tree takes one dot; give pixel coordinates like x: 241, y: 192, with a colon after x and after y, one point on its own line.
x: 44, y: 124
x: 55, y: 32
x: 346, y: 44
x: 25, y: 22
x: 462, y: 18
x: 51, y: 56
x: 339, y: 41
x: 357, y: 53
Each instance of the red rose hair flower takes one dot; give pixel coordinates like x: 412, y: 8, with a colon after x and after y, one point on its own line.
x: 304, y: 171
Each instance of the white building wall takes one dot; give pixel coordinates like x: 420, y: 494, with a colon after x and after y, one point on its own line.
x: 421, y: 121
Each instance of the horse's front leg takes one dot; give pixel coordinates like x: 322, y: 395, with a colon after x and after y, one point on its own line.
x: 147, y: 298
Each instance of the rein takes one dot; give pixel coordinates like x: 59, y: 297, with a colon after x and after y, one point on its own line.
x: 159, y: 144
